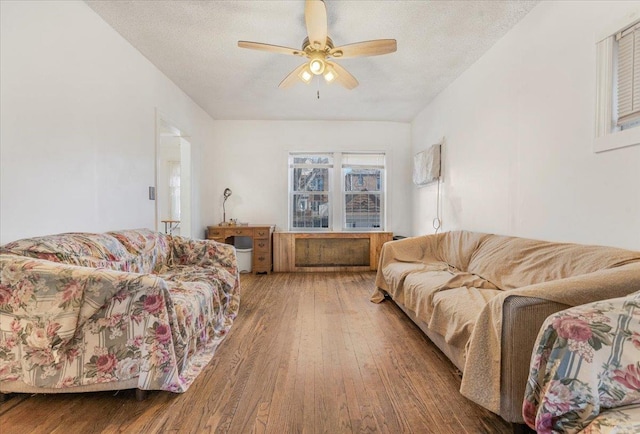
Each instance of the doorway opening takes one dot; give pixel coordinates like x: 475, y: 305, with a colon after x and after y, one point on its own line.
x: 173, y: 179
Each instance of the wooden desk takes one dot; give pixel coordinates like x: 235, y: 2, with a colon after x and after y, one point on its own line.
x: 261, y: 236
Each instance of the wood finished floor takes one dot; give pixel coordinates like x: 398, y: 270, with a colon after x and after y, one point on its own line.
x: 308, y: 354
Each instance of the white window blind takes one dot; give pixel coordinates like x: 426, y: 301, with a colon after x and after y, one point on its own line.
x: 628, y: 74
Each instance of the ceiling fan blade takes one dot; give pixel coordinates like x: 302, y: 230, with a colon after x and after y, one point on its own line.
x: 315, y: 17
x: 292, y: 78
x: 270, y: 48
x: 366, y: 48
x: 343, y: 76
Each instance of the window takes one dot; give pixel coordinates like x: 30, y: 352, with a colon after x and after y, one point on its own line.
x: 309, y: 187
x: 618, y: 89
x: 315, y: 191
x: 363, y: 181
x: 628, y: 77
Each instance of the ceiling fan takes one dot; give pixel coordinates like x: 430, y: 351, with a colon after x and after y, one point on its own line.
x: 318, y: 48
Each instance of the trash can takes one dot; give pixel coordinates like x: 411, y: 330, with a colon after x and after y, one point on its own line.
x: 244, y: 252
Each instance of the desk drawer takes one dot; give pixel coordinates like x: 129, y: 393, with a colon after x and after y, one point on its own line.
x: 239, y: 232
x: 261, y: 261
x: 261, y: 245
x: 215, y: 233
x: 262, y: 233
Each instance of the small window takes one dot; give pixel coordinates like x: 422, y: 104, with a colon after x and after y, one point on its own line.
x: 628, y: 77
x: 618, y: 89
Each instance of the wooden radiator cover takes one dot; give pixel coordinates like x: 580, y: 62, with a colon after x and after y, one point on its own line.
x: 332, y: 252
x: 327, y: 251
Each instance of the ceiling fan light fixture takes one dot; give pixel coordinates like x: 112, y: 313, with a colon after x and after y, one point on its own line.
x: 330, y: 74
x: 317, y: 63
x: 316, y: 66
x: 306, y: 75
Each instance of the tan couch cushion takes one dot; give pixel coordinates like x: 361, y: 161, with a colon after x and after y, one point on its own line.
x: 421, y: 287
x: 510, y: 262
x: 455, y: 312
x: 456, y: 248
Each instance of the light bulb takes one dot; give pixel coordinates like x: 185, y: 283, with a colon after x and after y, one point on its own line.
x: 316, y: 66
x: 305, y: 75
x: 329, y: 76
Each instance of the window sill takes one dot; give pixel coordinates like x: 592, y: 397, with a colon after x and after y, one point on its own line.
x: 617, y: 140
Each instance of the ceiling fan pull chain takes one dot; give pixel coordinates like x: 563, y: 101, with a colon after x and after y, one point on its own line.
x: 318, y: 93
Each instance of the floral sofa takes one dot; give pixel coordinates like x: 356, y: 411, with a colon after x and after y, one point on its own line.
x: 585, y: 370
x: 119, y: 310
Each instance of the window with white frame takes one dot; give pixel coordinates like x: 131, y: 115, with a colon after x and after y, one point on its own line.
x: 309, y: 191
x: 315, y: 191
x: 618, y: 89
x: 363, y: 191
x: 628, y: 77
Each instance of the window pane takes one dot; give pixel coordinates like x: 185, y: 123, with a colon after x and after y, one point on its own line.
x: 356, y: 179
x: 371, y: 160
x: 311, y: 159
x: 307, y: 179
x: 310, y: 211
x: 362, y: 210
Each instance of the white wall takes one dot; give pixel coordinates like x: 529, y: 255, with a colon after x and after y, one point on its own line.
x: 519, y: 127
x: 250, y: 157
x: 77, y: 143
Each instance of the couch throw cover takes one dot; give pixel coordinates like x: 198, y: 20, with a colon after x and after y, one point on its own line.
x: 83, y: 309
x: 487, y: 269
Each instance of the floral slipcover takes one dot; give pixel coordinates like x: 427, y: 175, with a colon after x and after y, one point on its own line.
x: 102, y: 309
x: 585, y: 370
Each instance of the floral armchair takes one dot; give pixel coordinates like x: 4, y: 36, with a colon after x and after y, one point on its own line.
x: 128, y: 309
x: 585, y: 370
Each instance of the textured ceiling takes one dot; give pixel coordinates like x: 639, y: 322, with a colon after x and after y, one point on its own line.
x: 195, y: 44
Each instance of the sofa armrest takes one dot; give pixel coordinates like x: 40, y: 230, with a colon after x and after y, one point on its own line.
x: 522, y: 318
x: 51, y: 300
x: 203, y: 253
x: 586, y: 361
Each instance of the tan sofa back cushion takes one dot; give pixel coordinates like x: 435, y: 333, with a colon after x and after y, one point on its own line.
x: 456, y: 248
x: 510, y: 262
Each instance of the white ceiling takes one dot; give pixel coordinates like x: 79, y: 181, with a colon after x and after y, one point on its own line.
x: 195, y: 44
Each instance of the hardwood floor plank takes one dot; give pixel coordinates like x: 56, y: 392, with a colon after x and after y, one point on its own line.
x: 309, y: 353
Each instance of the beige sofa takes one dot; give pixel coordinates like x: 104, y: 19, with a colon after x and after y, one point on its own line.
x: 482, y: 298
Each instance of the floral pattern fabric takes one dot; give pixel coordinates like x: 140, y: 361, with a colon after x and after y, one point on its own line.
x: 66, y: 323
x: 586, y: 362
